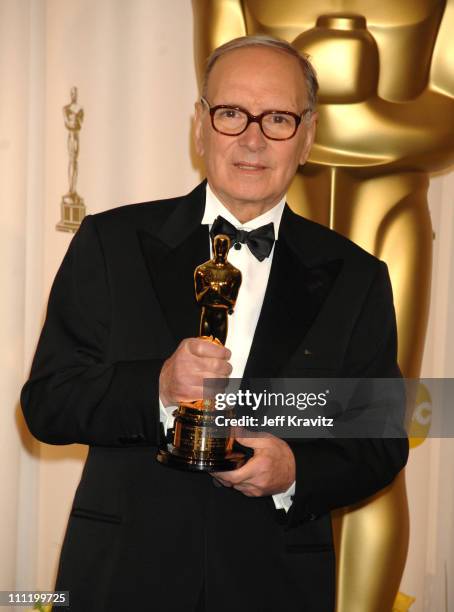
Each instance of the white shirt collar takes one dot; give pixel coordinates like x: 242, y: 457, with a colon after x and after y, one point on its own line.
x: 214, y: 207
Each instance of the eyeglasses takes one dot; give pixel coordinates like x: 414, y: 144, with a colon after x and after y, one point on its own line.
x: 234, y: 120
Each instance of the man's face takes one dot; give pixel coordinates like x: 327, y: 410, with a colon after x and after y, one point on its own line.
x: 249, y: 172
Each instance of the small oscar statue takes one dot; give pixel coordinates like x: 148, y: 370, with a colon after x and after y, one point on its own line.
x: 72, y: 205
x: 198, y: 445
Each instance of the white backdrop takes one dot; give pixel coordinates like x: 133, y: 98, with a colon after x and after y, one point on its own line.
x: 132, y: 62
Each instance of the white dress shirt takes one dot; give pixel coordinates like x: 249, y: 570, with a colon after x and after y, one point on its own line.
x: 243, y: 321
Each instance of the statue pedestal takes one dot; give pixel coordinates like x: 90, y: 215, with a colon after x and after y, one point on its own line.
x: 72, y: 213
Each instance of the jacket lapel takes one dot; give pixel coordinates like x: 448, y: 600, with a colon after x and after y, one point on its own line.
x: 297, y: 289
x: 171, y: 255
x: 298, y: 285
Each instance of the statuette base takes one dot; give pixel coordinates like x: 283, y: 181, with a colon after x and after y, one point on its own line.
x: 198, y: 445
x: 200, y: 464
x: 72, y: 213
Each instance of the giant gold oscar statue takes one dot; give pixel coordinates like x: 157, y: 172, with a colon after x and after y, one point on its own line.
x: 386, y: 120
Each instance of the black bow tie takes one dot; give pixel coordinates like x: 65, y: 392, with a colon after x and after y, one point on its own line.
x: 260, y: 241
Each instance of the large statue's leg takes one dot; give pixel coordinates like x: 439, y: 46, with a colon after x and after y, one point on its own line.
x: 371, y: 549
x: 388, y: 216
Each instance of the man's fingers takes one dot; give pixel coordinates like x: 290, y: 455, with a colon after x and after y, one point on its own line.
x: 248, y: 489
x: 212, y: 367
x: 183, y: 373
x: 235, y: 477
x: 207, y: 348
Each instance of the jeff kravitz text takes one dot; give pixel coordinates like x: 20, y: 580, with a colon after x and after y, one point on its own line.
x: 277, y: 421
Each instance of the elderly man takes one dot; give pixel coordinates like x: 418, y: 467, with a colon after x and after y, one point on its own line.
x: 118, y: 351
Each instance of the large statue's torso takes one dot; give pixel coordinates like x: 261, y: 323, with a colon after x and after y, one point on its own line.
x: 394, y: 25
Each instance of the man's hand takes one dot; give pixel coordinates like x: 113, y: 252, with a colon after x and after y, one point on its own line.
x: 271, y: 470
x: 181, y: 378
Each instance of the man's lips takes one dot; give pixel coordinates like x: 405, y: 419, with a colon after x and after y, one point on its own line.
x: 253, y: 167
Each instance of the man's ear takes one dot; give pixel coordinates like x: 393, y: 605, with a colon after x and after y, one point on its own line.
x: 198, y: 129
x: 309, y: 128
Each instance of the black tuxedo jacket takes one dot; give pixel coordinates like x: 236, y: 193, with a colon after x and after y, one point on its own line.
x: 147, y: 537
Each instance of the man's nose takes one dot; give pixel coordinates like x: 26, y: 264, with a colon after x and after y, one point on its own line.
x: 253, y: 137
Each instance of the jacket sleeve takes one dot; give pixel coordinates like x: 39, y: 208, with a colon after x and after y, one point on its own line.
x: 331, y: 473
x: 74, y: 393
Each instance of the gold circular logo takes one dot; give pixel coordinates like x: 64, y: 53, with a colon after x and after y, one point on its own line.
x: 421, y: 419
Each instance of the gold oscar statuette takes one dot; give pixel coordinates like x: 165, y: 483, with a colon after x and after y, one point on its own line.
x: 198, y: 444
x: 72, y: 205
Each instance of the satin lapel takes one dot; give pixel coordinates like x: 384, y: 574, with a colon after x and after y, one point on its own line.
x: 297, y: 288
x: 171, y: 257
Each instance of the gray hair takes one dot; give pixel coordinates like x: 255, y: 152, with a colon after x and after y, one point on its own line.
x: 242, y: 42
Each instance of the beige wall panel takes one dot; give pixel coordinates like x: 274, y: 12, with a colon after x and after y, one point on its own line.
x: 13, y: 157
x: 21, y: 201
x: 430, y: 479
